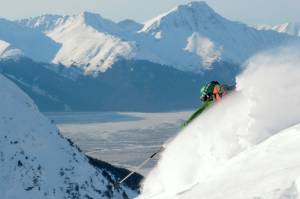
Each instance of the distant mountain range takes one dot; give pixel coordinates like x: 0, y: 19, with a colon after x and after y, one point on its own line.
x: 85, y: 62
x: 190, y: 37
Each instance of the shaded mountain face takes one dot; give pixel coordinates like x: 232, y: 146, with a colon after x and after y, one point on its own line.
x: 134, y: 182
x: 191, y: 37
x: 130, y: 25
x: 127, y: 86
x: 37, y: 162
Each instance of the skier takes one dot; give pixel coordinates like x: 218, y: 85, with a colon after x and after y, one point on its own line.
x: 210, y: 94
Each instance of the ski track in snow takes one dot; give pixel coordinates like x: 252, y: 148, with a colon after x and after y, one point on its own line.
x: 244, y: 147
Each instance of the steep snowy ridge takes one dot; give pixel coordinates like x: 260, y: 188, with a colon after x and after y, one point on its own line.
x: 190, y: 16
x: 289, y: 28
x: 22, y: 38
x: 37, y: 162
x: 190, y: 37
x: 89, y: 41
x: 99, y: 23
x: 44, y: 23
x: 247, y: 146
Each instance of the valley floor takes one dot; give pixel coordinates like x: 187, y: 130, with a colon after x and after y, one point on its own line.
x: 122, y: 139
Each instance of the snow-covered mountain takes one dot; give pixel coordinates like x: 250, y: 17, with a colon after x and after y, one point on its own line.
x: 289, y: 28
x: 247, y: 146
x: 90, y: 41
x: 198, y: 36
x: 19, y: 40
x: 37, y: 162
x: 190, y: 37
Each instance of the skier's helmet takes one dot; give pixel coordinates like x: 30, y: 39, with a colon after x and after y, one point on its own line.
x: 207, y: 91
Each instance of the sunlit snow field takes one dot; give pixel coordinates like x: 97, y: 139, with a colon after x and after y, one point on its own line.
x: 123, y: 139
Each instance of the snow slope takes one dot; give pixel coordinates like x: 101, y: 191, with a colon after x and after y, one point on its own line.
x: 23, y: 38
x: 245, y: 155
x: 190, y: 37
x: 37, y: 162
x: 270, y: 170
x: 89, y: 41
x: 289, y: 28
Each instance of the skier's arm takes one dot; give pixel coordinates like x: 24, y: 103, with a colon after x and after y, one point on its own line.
x: 197, y: 113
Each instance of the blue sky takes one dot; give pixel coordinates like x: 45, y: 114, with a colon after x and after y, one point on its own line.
x: 248, y: 11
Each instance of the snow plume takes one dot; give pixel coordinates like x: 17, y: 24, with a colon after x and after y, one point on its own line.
x: 266, y: 102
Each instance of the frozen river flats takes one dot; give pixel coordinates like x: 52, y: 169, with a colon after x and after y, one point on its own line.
x: 123, y: 139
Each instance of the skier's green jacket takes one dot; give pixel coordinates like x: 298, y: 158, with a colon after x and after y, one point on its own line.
x: 210, y: 94
x: 205, y: 105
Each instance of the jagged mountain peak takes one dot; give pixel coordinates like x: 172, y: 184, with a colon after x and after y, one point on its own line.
x: 90, y: 16
x: 190, y: 37
x: 192, y: 15
x: 198, y: 5
x: 45, y: 17
x: 98, y: 22
x: 43, y: 23
x: 49, y: 22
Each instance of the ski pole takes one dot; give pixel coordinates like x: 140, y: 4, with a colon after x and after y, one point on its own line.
x: 140, y: 166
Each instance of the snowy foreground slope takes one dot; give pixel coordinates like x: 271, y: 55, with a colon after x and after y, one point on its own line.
x: 37, y: 162
x: 269, y: 170
x: 248, y: 146
x: 190, y: 37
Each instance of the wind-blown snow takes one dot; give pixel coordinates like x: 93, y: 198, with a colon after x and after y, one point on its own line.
x: 37, y: 162
x: 235, y: 150
x: 204, y: 48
